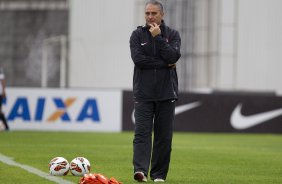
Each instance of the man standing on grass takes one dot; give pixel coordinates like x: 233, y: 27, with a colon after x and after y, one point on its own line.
x: 2, y: 97
x: 155, y: 49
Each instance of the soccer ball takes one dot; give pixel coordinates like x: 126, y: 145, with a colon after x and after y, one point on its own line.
x: 59, y: 166
x: 80, y: 166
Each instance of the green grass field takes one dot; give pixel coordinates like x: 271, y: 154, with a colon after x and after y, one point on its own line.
x: 197, y: 158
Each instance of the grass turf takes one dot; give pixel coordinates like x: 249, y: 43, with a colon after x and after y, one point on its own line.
x: 197, y: 158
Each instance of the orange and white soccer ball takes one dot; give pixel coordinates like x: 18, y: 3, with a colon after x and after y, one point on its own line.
x: 80, y: 166
x: 59, y: 166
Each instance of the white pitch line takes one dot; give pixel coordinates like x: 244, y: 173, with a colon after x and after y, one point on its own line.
x: 33, y: 170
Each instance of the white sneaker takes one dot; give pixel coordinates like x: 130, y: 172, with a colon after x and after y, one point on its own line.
x: 159, y: 180
x: 140, y: 177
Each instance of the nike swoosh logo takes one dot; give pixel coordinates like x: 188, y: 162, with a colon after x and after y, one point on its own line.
x: 178, y: 110
x: 144, y: 43
x: 239, y: 121
x: 182, y: 108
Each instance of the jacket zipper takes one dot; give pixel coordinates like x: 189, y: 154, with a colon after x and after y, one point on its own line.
x: 154, y: 44
x: 155, y: 70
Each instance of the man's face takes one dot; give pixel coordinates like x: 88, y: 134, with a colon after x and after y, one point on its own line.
x: 153, y: 14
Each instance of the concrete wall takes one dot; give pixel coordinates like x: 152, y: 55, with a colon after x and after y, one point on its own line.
x: 237, y: 44
x: 259, y: 45
x: 250, y: 45
x: 99, y: 43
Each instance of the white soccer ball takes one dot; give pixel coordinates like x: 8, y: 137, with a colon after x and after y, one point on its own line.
x: 80, y: 166
x: 59, y: 166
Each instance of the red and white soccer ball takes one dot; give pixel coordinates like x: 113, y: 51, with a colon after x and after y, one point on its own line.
x: 80, y: 166
x: 59, y: 166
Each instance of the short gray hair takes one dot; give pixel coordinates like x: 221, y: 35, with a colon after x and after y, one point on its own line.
x: 154, y: 2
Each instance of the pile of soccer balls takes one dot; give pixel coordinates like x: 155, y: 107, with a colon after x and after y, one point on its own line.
x: 59, y: 166
x: 79, y: 166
